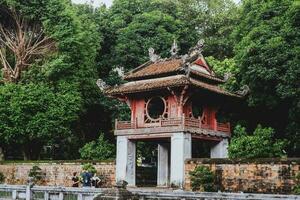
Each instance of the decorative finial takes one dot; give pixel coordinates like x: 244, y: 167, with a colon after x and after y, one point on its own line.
x: 153, y: 57
x: 187, y: 69
x: 198, y: 48
x: 200, y: 45
x: 244, y: 90
x: 227, y: 76
x: 101, y: 84
x: 174, y: 49
x: 119, y: 70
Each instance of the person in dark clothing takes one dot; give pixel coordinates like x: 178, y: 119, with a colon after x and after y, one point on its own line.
x: 75, y: 180
x: 86, y: 178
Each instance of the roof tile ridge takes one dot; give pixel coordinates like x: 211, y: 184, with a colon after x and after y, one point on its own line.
x: 208, y: 75
x: 139, y: 67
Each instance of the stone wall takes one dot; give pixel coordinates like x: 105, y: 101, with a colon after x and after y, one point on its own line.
x: 57, y: 173
x: 259, y: 175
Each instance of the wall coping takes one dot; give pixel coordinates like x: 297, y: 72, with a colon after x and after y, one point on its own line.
x: 57, y: 162
x: 243, y: 161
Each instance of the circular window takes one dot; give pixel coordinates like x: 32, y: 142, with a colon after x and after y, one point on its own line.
x: 155, y: 107
x: 197, y: 109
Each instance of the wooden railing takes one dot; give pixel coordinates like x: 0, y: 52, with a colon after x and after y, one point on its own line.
x: 179, y: 121
x: 120, y: 125
x: 223, y: 127
x: 171, y: 122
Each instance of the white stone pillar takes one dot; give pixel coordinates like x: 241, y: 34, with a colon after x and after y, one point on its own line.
x: 220, y: 150
x: 162, y: 164
x: 125, y: 161
x: 181, y: 149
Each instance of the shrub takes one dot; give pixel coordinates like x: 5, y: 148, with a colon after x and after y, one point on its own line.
x: 296, y: 189
x: 98, y: 150
x: 90, y: 168
x: 2, y: 177
x: 37, y: 174
x: 202, y: 179
x: 258, y: 145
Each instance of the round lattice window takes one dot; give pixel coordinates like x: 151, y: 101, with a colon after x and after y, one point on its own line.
x: 155, y: 108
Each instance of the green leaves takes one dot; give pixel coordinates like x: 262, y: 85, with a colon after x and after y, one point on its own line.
x: 35, y: 112
x: 267, y: 54
x: 203, y: 180
x: 98, y: 150
x: 259, y: 145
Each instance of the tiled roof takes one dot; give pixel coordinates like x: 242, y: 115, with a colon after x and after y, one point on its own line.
x: 162, y: 67
x: 160, y: 83
x: 148, y: 84
x: 207, y: 76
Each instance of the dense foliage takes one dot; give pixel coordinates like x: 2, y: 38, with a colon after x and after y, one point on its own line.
x: 89, y: 168
x: 267, y: 54
x: 258, y: 145
x: 50, y: 104
x: 55, y: 108
x: 203, y: 179
x: 98, y: 150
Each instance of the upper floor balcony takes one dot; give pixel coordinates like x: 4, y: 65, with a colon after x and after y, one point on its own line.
x: 164, y: 126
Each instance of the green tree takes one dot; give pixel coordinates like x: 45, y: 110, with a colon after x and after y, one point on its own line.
x: 90, y: 168
x: 260, y: 144
x: 226, y: 67
x: 267, y: 53
x: 34, y: 115
x: 98, y: 150
x: 69, y: 74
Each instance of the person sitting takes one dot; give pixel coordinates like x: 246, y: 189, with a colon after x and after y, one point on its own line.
x: 75, y: 180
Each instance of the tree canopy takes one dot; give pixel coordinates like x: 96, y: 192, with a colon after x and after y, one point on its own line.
x: 48, y: 92
x: 267, y: 54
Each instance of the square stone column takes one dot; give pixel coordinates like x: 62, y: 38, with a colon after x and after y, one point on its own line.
x: 162, y: 164
x: 219, y: 150
x: 181, y: 149
x: 125, y: 161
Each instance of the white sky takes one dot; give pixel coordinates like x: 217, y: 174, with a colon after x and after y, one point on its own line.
x: 96, y: 2
x: 109, y: 2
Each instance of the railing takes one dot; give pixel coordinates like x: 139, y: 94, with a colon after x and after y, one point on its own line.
x: 171, y: 122
x: 28, y: 192
x: 120, y: 125
x: 179, y: 121
x: 9, y: 192
x: 223, y: 127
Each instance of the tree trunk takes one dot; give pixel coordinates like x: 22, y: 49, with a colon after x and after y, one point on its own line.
x: 1, y: 154
x: 26, y: 154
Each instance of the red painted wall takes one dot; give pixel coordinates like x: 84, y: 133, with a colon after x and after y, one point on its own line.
x: 138, y: 107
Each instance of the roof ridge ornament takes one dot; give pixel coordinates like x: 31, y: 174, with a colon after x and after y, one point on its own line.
x: 101, y: 84
x: 174, y: 49
x: 153, y: 57
x: 244, y: 90
x: 120, y: 71
x: 197, y: 49
x: 227, y: 76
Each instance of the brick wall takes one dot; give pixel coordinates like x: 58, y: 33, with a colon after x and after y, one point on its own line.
x: 57, y: 173
x: 259, y: 175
